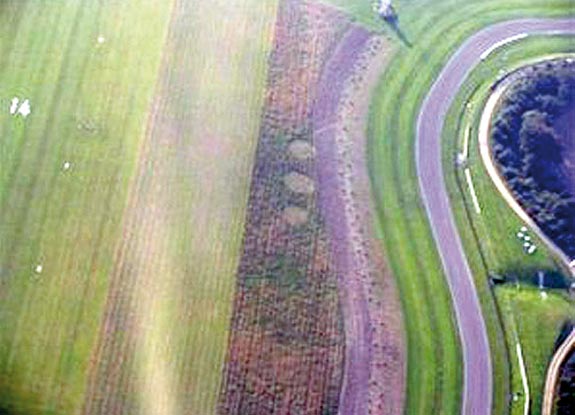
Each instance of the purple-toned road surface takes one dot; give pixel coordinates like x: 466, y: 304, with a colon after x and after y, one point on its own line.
x: 478, y: 379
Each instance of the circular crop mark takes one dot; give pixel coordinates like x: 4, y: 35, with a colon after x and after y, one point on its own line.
x: 299, y: 183
x: 300, y: 150
x: 295, y: 215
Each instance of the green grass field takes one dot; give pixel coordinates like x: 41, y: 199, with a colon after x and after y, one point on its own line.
x: 68, y: 222
x: 490, y: 237
x: 537, y: 324
x: 435, y: 29
x: 91, y: 103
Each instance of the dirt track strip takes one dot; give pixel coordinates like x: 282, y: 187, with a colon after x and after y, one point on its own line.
x: 553, y: 371
x: 478, y: 381
x: 332, y: 88
x: 374, y: 380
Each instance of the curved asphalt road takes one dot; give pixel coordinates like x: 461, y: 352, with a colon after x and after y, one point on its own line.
x: 553, y: 371
x: 478, y: 386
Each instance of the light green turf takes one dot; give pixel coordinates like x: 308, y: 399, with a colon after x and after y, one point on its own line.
x: 490, y: 237
x: 537, y: 323
x: 361, y: 10
x: 436, y: 29
x: 66, y: 221
x: 90, y: 106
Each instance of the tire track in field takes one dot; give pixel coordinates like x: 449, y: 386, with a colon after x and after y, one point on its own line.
x: 128, y: 346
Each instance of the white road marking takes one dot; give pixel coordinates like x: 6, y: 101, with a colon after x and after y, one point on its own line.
x: 504, y: 42
x: 465, y: 153
x: 524, y: 379
x: 520, y: 359
x: 472, y: 191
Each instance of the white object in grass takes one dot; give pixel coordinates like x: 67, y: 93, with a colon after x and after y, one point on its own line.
x: 38, y: 269
x: 25, y: 109
x: 66, y: 165
x: 14, y: 105
x: 531, y: 249
x: 472, y: 191
x: 524, y: 229
x: 101, y: 39
x: 527, y: 238
x: 544, y: 295
x: 541, y: 279
x: 526, y: 245
x: 520, y: 235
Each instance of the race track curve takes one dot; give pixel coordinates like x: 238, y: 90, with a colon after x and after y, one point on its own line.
x: 478, y: 384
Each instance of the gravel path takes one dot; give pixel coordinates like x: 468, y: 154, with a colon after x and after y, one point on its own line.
x: 352, y: 296
x: 374, y: 372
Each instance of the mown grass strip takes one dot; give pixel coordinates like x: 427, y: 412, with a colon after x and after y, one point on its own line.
x: 65, y: 221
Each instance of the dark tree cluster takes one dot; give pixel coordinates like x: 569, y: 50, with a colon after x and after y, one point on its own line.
x: 566, y: 398
x: 532, y: 148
